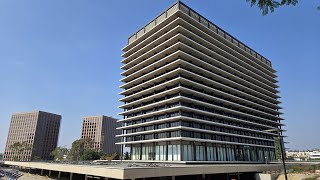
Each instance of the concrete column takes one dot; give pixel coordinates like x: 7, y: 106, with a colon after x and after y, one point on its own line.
x: 106, y: 178
x: 203, y: 176
x: 41, y: 173
x: 85, y: 177
x: 71, y: 174
x: 59, y: 174
x: 49, y: 173
x: 261, y: 176
x: 173, y: 178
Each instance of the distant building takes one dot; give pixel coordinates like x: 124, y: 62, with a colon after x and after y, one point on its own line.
x: 193, y: 92
x: 303, y: 155
x: 315, y: 155
x: 295, y: 155
x: 102, y: 131
x: 37, y: 131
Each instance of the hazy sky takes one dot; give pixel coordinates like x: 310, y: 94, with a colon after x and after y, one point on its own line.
x: 64, y: 57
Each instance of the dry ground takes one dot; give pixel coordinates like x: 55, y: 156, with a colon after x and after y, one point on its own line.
x: 300, y: 176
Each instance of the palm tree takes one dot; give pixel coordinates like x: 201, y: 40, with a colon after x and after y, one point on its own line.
x: 270, y: 5
x: 20, y: 149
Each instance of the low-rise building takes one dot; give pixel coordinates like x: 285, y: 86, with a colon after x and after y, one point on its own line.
x: 314, y: 155
x: 298, y: 155
x: 303, y: 155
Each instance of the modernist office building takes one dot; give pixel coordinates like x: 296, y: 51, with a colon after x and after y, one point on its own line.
x: 193, y: 92
x: 38, y: 131
x: 102, y: 131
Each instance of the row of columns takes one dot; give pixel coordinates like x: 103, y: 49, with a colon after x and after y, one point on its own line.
x: 59, y: 173
x: 203, y: 176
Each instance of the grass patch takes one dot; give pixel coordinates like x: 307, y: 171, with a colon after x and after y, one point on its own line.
x: 303, y: 168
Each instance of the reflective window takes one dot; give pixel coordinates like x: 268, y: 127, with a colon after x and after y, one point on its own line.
x: 187, y: 152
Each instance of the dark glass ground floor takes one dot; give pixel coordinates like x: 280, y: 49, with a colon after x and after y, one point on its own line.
x: 199, y: 151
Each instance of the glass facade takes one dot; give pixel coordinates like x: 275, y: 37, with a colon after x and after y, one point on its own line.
x: 195, y: 151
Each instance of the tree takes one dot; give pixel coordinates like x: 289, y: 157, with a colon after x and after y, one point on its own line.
x: 79, y: 147
x: 15, y: 149
x: 266, y: 5
x: 36, y: 158
x: 19, y: 149
x: 90, y: 155
x: 59, y: 153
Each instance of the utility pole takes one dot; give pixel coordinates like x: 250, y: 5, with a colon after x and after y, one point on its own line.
x: 281, y: 149
x: 283, y: 155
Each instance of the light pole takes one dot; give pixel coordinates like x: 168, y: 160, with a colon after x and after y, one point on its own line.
x: 266, y: 159
x: 281, y: 148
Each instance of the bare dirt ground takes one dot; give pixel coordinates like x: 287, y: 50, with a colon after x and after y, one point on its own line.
x: 293, y: 176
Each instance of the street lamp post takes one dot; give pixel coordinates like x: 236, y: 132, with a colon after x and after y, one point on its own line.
x: 266, y: 159
x: 282, y: 150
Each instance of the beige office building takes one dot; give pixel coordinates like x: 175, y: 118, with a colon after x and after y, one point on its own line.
x: 38, y: 131
x: 102, y: 131
x: 193, y: 92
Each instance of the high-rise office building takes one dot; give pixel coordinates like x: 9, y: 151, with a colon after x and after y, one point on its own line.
x: 101, y: 130
x: 35, y: 135
x: 193, y: 92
